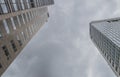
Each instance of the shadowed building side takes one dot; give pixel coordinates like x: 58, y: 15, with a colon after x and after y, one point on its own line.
x: 19, y: 22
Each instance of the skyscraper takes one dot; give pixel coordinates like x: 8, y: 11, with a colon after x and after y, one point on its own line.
x: 19, y: 22
x: 106, y: 36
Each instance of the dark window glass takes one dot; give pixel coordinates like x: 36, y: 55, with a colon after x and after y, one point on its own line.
x: 32, y: 3
x: 19, y: 41
x: 6, y: 51
x: 13, y: 45
x: 0, y: 65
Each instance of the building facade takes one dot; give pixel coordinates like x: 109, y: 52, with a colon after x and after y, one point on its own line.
x: 106, y: 36
x: 19, y: 22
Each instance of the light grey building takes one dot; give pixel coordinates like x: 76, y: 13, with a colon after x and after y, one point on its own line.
x: 19, y: 22
x: 106, y: 36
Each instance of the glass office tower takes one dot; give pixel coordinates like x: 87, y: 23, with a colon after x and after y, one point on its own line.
x: 19, y: 22
x: 106, y: 36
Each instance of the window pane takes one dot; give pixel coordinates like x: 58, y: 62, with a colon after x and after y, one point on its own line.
x: 13, y: 1
x: 13, y: 23
x: 18, y: 21
x: 0, y: 34
x: 2, y: 1
x: 4, y: 8
x: 23, y: 18
x: 15, y: 7
x: 6, y: 26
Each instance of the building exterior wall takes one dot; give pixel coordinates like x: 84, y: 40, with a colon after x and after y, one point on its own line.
x: 106, y: 36
x: 19, y: 22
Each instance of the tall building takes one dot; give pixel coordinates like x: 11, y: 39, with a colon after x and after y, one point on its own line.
x: 106, y: 36
x: 19, y: 22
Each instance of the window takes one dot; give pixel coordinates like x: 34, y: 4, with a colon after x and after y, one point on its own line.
x: 119, y: 71
x: 4, y: 8
x: 15, y: 20
x: 6, y: 26
x: 2, y: 1
x: 15, y: 7
x: 26, y: 17
x: 23, y: 18
x: 6, y: 51
x: 13, y: 1
x: 13, y: 24
x: 48, y: 15
x: 30, y: 17
x: 32, y: 3
x: 113, y: 64
x: 18, y: 4
x: 19, y: 41
x: 0, y: 65
x: 110, y: 60
x: 26, y: 32
x: 1, y: 34
x: 28, y: 4
x: 30, y: 30
x: 22, y: 4
x: 24, y: 37
x: 18, y: 21
x: 116, y: 68
x: 13, y: 45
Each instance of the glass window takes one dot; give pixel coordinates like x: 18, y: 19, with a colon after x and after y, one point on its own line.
x: 30, y: 17
x: 2, y: 1
x: 23, y: 34
x: 23, y: 18
x: 28, y: 5
x: 22, y: 4
x: 15, y: 7
x: 4, y: 8
x: 13, y: 45
x: 30, y: 30
x: 27, y: 36
x: 6, y: 51
x: 0, y: 65
x: 13, y: 1
x: 6, y: 26
x: 13, y: 24
x: 18, y: 21
x: 26, y: 17
x: 0, y: 34
x: 19, y: 41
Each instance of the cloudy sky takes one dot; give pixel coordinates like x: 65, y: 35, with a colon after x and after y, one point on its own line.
x: 62, y: 48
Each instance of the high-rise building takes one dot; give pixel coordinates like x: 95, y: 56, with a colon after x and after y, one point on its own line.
x: 106, y: 36
x: 19, y: 22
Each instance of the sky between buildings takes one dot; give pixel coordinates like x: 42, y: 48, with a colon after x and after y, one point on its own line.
x: 62, y: 48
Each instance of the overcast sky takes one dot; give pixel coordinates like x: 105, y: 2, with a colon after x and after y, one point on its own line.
x: 62, y: 47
